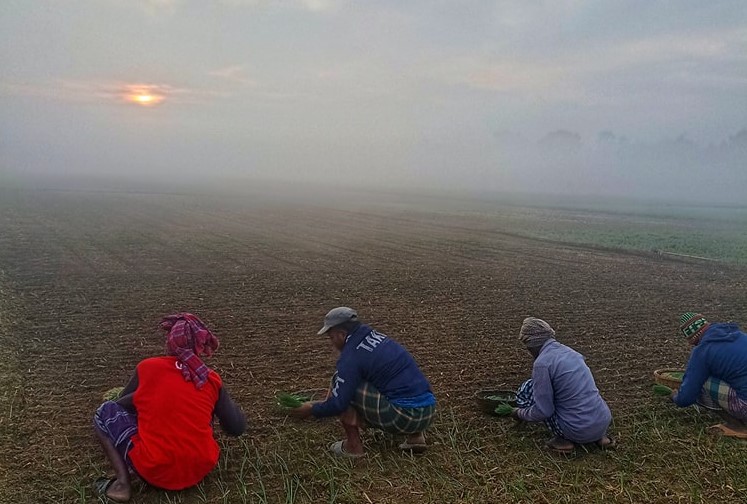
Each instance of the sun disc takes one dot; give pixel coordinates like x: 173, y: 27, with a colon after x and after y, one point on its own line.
x: 144, y: 98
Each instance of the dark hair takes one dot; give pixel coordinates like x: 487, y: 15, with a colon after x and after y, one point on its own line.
x: 349, y: 326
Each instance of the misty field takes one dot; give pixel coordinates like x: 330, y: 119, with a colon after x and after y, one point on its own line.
x: 85, y: 277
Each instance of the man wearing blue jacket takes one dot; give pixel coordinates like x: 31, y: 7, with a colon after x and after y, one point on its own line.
x: 376, y: 382
x: 716, y: 374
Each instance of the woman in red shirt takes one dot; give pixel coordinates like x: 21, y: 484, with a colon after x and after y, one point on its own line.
x: 161, y: 427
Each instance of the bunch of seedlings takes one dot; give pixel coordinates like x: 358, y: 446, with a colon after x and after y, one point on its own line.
x: 290, y: 401
x: 504, y: 410
x: 662, y: 390
x: 675, y: 375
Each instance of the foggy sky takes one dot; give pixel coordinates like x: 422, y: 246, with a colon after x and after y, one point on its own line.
x: 637, y: 97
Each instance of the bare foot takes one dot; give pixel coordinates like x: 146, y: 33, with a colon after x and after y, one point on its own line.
x: 119, y: 492
x: 113, y: 489
x: 606, y: 443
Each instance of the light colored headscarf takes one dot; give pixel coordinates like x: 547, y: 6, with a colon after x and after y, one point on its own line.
x: 535, y: 332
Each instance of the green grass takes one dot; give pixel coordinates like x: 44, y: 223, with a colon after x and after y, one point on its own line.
x: 664, y: 453
x: 711, y: 244
x: 725, y: 242
x: 713, y: 232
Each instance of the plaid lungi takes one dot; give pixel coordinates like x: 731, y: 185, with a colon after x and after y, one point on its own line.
x: 378, y: 412
x: 119, y: 425
x: 525, y: 399
x: 719, y: 395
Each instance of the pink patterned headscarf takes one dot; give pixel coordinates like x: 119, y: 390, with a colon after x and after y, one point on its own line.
x: 187, y: 338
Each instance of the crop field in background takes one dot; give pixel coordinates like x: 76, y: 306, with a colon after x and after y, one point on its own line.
x: 85, y: 277
x: 710, y: 232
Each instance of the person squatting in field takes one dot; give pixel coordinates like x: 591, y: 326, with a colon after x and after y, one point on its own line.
x: 160, y: 428
x: 716, y: 374
x: 377, y: 382
x: 561, y: 392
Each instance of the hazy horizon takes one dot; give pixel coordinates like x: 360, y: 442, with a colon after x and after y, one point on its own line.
x: 627, y: 99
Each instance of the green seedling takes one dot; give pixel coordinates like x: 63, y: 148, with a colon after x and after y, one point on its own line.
x: 504, y: 410
x: 290, y: 401
x: 113, y: 393
x: 496, y: 398
x: 662, y: 390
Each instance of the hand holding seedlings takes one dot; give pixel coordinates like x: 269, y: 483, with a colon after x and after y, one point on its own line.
x: 303, y: 411
x: 504, y: 410
x: 298, y: 406
x: 290, y: 401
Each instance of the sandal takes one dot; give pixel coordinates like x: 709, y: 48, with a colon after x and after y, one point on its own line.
x: 414, y: 447
x: 101, y: 486
x: 726, y: 431
x: 558, y: 445
x: 338, y: 449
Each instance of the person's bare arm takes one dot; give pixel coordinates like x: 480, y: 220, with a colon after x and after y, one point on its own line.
x: 128, y: 393
x: 230, y: 416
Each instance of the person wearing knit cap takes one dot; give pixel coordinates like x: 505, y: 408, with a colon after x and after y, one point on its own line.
x: 716, y: 373
x: 561, y: 392
x: 160, y: 426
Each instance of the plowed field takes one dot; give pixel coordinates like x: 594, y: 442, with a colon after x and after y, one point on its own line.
x: 85, y: 277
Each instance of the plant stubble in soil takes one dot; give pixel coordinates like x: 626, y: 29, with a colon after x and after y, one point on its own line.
x: 86, y: 277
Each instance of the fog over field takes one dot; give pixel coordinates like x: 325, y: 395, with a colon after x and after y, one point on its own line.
x: 627, y: 98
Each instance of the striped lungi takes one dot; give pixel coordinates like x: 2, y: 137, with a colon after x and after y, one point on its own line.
x: 718, y: 394
x: 378, y: 412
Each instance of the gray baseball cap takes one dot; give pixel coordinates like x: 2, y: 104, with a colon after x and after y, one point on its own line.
x: 337, y: 316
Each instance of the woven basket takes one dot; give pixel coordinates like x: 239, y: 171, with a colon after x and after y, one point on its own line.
x: 663, y: 377
x: 489, y: 405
